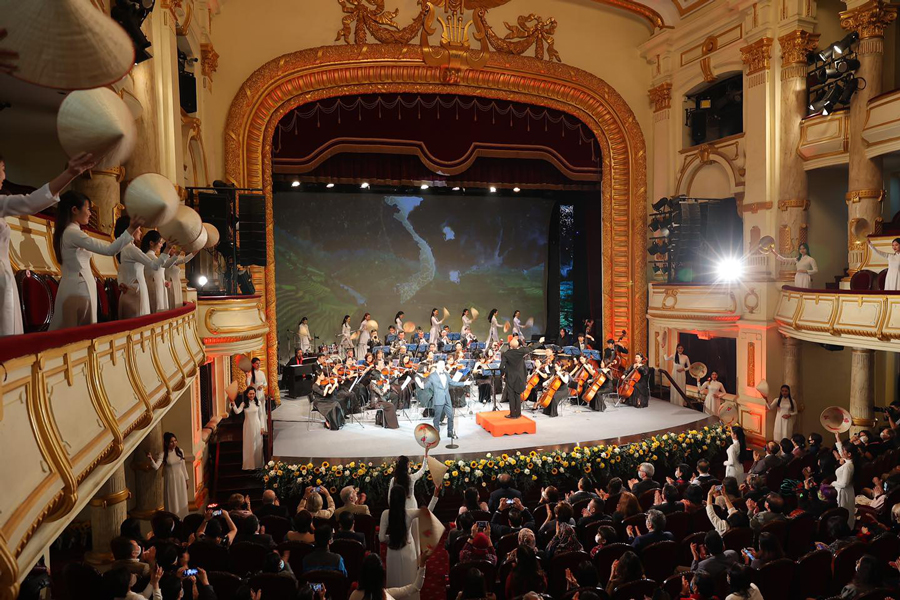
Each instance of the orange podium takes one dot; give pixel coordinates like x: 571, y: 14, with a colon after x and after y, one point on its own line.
x: 496, y: 423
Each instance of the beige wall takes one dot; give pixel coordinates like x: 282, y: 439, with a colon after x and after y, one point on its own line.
x: 31, y: 159
x: 248, y: 33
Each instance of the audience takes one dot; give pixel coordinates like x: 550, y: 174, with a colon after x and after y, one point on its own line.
x: 769, y: 550
x: 471, y: 501
x: 668, y: 500
x: 644, y: 481
x: 312, y: 501
x: 583, y: 493
x: 346, y: 523
x: 504, y: 490
x: 303, y: 528
x: 773, y: 508
x: 565, y: 540
x: 249, y: 531
x: 740, y: 584
x: 479, y: 546
x: 321, y: 558
x: 475, y: 587
x: 626, y: 569
x: 352, y: 502
x: 526, y: 575
x: 712, y: 557
x: 270, y: 506
x: 656, y: 532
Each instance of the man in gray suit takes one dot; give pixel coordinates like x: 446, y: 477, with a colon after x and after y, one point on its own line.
x: 438, y: 385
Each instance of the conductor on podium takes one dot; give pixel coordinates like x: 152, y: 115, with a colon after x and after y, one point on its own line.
x: 512, y: 365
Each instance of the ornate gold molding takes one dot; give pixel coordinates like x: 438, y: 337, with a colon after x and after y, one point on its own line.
x: 751, y: 365
x: 309, y: 75
x: 870, y: 19
x: 209, y: 60
x: 795, y: 46
x: 857, y: 195
x: 661, y: 96
x: 645, y: 12
x: 111, y: 499
x: 803, y: 203
x: 706, y: 69
x: 757, y: 55
x: 753, y: 207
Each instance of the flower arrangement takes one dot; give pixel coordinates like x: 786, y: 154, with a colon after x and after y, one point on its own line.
x: 600, y: 462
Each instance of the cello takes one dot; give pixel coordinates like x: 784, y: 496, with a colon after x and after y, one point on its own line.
x: 595, y: 386
x: 618, y: 362
x: 628, y: 383
x: 553, y: 386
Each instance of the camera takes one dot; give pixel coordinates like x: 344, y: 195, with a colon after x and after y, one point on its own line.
x: 190, y: 572
x: 482, y: 525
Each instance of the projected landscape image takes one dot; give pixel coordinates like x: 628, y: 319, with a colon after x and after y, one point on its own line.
x: 345, y: 253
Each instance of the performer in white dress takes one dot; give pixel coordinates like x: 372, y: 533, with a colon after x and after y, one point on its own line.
x: 843, y: 478
x: 517, y: 326
x: 494, y: 333
x: 786, y: 414
x: 714, y: 393
x: 303, y: 335
x: 806, y: 266
x: 254, y: 429
x: 680, y: 365
x: 152, y: 245
x: 76, y: 299
x: 435, y: 332
x: 28, y: 204
x: 173, y: 276
x: 399, y: 530
x: 398, y: 321
x: 134, y: 300
x: 256, y: 379
x: 407, y: 481
x: 346, y: 340
x: 465, y: 332
x: 362, y: 342
x: 175, y: 475
x: 892, y: 281
x: 734, y: 467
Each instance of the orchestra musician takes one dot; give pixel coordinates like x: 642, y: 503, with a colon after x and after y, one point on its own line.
x: 435, y: 326
x: 382, y: 397
x: 373, y: 339
x: 512, y: 365
x: 640, y: 398
x: 589, y: 330
x: 324, y: 402
x: 303, y: 334
x: 564, y: 338
x: 494, y: 333
x: 399, y: 343
x: 297, y: 360
x: 484, y: 381
x: 581, y: 343
x: 551, y: 410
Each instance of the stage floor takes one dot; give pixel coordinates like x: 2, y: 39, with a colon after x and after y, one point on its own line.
x: 574, y: 426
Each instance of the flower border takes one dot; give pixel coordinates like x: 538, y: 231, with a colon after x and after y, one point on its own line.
x: 600, y: 462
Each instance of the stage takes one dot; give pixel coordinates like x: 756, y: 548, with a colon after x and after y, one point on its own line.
x: 574, y: 426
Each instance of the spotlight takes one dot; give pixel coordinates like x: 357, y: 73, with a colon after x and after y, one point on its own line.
x: 364, y: 185
x: 516, y: 190
x: 130, y: 14
x: 843, y: 46
x: 832, y: 96
x: 654, y: 224
x: 729, y: 269
x: 202, y: 280
x: 845, y: 65
x: 329, y: 185
x: 826, y: 54
x: 664, y: 232
x: 658, y: 247
x: 824, y: 74
x: 660, y: 204
x: 850, y: 87
x: 493, y: 190
x: 295, y: 183
x: 456, y: 189
x: 424, y: 186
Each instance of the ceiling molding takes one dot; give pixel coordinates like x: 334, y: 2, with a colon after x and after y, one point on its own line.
x: 651, y: 16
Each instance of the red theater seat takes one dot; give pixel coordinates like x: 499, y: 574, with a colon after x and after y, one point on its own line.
x: 36, y: 299
x: 862, y: 280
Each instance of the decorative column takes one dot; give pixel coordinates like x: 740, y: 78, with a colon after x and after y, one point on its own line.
x: 148, y: 481
x: 866, y: 182
x: 792, y: 354
x: 108, y: 510
x: 661, y: 101
x: 862, y: 389
x: 793, y: 200
x: 102, y: 187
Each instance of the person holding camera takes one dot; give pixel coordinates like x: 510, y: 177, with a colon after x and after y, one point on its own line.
x: 312, y: 501
x: 210, y: 530
x: 479, y: 545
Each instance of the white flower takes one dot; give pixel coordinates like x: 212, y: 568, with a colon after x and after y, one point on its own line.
x: 488, y: 454
x: 271, y: 463
x: 467, y: 470
x: 461, y: 463
x: 478, y: 473
x: 466, y: 480
x: 346, y: 473
x: 527, y: 471
x: 368, y: 479
x: 446, y: 475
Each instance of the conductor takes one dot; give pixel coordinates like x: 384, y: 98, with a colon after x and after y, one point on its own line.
x: 512, y: 365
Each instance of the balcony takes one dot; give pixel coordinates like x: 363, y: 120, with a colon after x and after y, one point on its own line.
x: 231, y: 325
x: 853, y: 318
x: 825, y: 140
x: 682, y: 305
x: 881, y: 131
x: 76, y: 403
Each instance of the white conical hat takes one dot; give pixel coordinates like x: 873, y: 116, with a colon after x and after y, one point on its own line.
x: 198, y: 244
x: 99, y: 122
x: 65, y: 44
x: 153, y: 197
x: 184, y: 228
x: 212, y: 235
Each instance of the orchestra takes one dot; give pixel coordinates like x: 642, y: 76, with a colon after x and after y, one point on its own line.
x: 392, y: 376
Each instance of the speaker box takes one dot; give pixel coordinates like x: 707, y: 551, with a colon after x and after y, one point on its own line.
x: 698, y: 126
x: 187, y: 88
x: 252, y: 229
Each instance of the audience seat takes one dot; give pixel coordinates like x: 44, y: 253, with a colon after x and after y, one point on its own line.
x: 36, y: 301
x: 353, y: 553
x: 659, y: 560
x: 880, y: 280
x: 609, y: 507
x: 209, y: 557
x: 82, y: 581
x: 862, y: 280
x: 480, y: 515
x: 579, y: 506
x: 456, y: 548
x: 600, y: 592
x: 885, y: 547
x: 365, y: 524
x: 822, y: 534
x: 738, y: 538
x: 542, y: 514
x: 843, y: 565
x: 679, y: 524
x: 337, y: 584
x: 638, y: 521
x: 458, y: 571
x: 777, y: 528
x: 225, y: 584
x: 589, y: 533
x: 774, y: 579
x: 812, y: 575
x: 246, y: 557
x: 685, y: 557
x: 775, y: 476
x: 673, y: 584
x: 700, y: 522
x: 276, y: 526
x: 190, y: 524
x: 647, y: 500
x: 507, y: 544
x: 635, y: 590
x: 879, y: 594
x: 556, y: 584
x: 606, y: 556
x: 298, y: 551
x: 800, y: 532
x: 275, y: 586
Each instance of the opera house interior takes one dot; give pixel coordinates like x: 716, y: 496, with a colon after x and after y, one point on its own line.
x: 463, y: 299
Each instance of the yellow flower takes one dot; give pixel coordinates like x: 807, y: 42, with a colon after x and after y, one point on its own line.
x: 653, y: 457
x: 447, y: 483
x: 530, y: 465
x: 455, y: 473
x: 534, y: 477
x: 554, y: 470
x: 473, y: 464
x: 318, y: 482
x: 325, y: 464
x: 504, y: 456
x: 587, y: 468
x: 490, y: 464
x: 280, y: 473
x: 517, y: 470
x: 316, y: 471
x: 265, y: 478
x: 532, y: 453
x: 501, y: 464
x: 602, y: 466
x: 493, y: 477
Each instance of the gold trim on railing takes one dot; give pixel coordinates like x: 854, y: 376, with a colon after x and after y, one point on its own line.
x: 111, y: 499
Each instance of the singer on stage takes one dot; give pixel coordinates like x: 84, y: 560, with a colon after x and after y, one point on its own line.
x: 438, y: 385
x: 512, y: 365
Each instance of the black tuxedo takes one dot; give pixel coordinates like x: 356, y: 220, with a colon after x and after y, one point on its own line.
x: 512, y: 364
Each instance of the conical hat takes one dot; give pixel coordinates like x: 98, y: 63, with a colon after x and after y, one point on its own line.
x: 232, y: 390
x: 763, y: 388
x: 836, y: 419
x: 212, y: 235
x: 153, y: 197
x: 198, y: 244
x: 184, y: 228
x: 409, y: 327
x: 65, y: 44
x: 728, y: 412
x: 474, y: 312
x: 437, y: 469
x: 99, y: 122
x: 244, y: 363
x: 431, y: 530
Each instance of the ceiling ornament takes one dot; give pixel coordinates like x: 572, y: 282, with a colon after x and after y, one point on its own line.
x: 651, y: 16
x: 455, y: 52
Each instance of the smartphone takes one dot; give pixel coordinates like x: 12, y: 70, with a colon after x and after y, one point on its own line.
x: 190, y: 572
x: 482, y: 524
x: 318, y: 587
x: 509, y: 502
x: 748, y: 554
x: 217, y: 513
x: 718, y: 488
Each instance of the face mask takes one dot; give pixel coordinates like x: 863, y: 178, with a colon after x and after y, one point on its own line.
x: 281, y: 565
x: 864, y: 439
x: 598, y: 539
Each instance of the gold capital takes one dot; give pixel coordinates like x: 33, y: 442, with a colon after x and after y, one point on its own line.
x: 757, y: 55
x: 661, y: 96
x: 796, y: 45
x: 869, y: 19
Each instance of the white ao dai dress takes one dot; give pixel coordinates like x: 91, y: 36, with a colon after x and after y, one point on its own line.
x: 435, y: 333
x: 843, y: 483
x: 10, y: 206
x: 733, y: 465
x: 176, y: 481
x: 173, y: 276
x: 402, y: 563
x: 892, y: 282
x: 133, y: 265
x: 362, y: 342
x: 156, y: 281
x: 784, y: 428
x: 679, y: 374
x: 254, y: 424
x: 714, y: 392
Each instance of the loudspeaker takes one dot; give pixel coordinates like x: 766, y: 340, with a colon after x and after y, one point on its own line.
x: 187, y: 88
x: 698, y: 126
x: 252, y: 229
x: 215, y: 209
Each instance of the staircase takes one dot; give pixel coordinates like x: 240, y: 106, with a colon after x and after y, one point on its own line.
x: 224, y: 466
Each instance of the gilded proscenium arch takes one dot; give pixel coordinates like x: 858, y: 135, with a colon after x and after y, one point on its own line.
x: 289, y: 81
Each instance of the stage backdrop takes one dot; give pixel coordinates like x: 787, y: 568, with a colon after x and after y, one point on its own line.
x: 350, y: 253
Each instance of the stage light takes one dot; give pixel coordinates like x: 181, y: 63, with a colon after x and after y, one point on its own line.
x: 295, y: 183
x: 654, y: 224
x: 660, y: 204
x: 826, y: 54
x: 850, y: 87
x: 845, y: 65
x: 424, y: 186
x: 202, y: 280
x: 493, y: 190
x: 456, y: 189
x: 364, y: 185
x: 843, y: 46
x: 517, y: 190
x: 729, y: 269
x: 329, y: 185
x: 664, y: 232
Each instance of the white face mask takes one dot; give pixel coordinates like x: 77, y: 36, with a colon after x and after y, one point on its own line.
x: 864, y: 439
x: 598, y: 539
